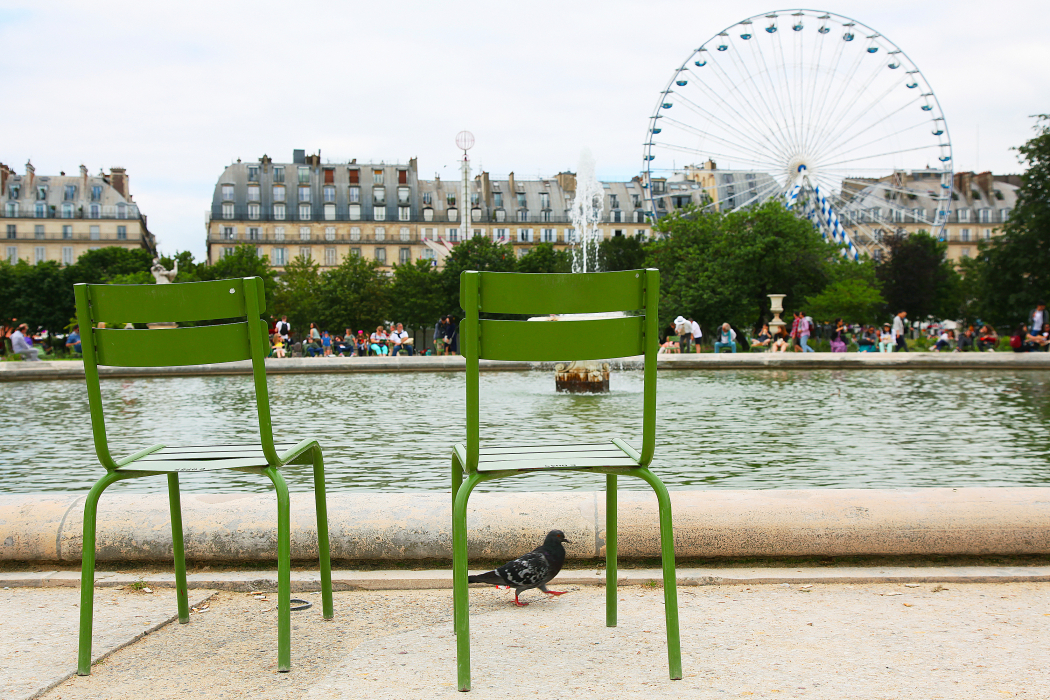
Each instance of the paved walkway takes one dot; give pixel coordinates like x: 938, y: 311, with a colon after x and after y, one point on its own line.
x: 880, y: 636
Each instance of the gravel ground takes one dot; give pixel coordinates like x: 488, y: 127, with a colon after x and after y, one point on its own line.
x: 832, y: 641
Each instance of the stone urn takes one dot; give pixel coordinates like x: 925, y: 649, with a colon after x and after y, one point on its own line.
x: 776, y: 305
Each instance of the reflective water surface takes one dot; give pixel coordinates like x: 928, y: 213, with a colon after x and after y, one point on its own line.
x: 719, y: 429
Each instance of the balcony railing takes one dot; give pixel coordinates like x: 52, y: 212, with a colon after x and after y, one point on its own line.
x: 30, y: 211
x: 294, y: 240
x: 240, y: 215
x: 112, y: 237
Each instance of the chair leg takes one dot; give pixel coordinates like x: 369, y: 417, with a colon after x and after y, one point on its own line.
x: 610, y: 550
x: 323, y: 544
x: 284, y: 573
x: 674, y: 647
x: 457, y: 477
x: 460, y: 596
x: 87, y: 571
x: 178, y: 547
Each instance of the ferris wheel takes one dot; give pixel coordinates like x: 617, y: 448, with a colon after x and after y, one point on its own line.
x: 813, y: 108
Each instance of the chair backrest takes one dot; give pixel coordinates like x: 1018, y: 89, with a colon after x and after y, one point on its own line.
x: 243, y: 336
x: 583, y: 339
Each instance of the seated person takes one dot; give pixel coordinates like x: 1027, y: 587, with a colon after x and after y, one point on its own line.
x: 379, y: 341
x: 886, y: 341
x: 967, y: 340
x: 1034, y: 340
x: 868, y: 340
x: 73, y: 340
x: 404, y: 343
x: 340, y: 347
x: 839, y: 338
x: 22, y: 345
x: 944, y: 342
x: 312, y: 346
x: 670, y: 345
x: 763, y: 339
x: 362, y: 344
x: 987, y: 339
x: 277, y: 343
x: 726, y: 338
x: 780, y: 341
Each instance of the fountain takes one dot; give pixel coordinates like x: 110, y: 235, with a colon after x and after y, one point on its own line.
x: 587, y: 376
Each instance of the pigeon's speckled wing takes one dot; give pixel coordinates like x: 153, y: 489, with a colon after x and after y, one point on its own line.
x: 529, y: 570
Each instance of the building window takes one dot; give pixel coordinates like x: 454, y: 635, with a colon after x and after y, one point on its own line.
x: 428, y: 199
x: 253, y: 233
x: 453, y: 214
x: 95, y: 234
x: 122, y: 233
x: 41, y: 211
x: 253, y: 211
x: 405, y: 234
x: 304, y: 233
x: 452, y: 234
x: 985, y: 216
x: 278, y: 233
x: 329, y: 175
x: 501, y: 215
x: 38, y: 231
x: 377, y: 177
x: 918, y: 215
x: 521, y: 199
x: 987, y: 234
x: 304, y: 194
x: 570, y: 235
x: 450, y: 199
x: 96, y: 211
x: 524, y: 235
x: 329, y: 233
x: 253, y: 173
x: 227, y: 211
x: 403, y: 195
x: 404, y: 214
x: 12, y: 231
x: 898, y: 216
x: 12, y: 254
x: 305, y: 252
x: 329, y: 257
x: 380, y: 233
x: 381, y: 252
x: 964, y: 216
x: 428, y: 214
x: 39, y: 254
x: 499, y: 234
x: 379, y: 214
x: 329, y: 212
x: 614, y: 202
x: 497, y: 199
x: 639, y: 232
x: 67, y: 255
x: 964, y: 253
x: 545, y: 215
x: 227, y: 193
x: 96, y: 193
x: 545, y: 200
x: 404, y: 255
x: 278, y: 193
x: 278, y: 212
x: 280, y: 256
x: 355, y: 193
x: 355, y: 176
x: 523, y: 215
x: 229, y: 233
x: 67, y: 232
x: 430, y: 255
x: 278, y: 173
x: 13, y: 190
x: 69, y: 195
x: 329, y: 192
x: 67, y: 211
x: 402, y: 177
x: 1004, y: 215
x: 379, y: 195
x: 548, y: 235
x: 253, y: 193
x: 122, y: 210
x: 355, y: 212
x: 355, y: 251
x: 639, y: 216
x: 304, y: 212
x: 964, y: 235
x: 304, y: 175
x: 355, y: 233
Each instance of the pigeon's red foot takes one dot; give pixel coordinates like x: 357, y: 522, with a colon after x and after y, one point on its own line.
x: 556, y: 592
x: 519, y: 603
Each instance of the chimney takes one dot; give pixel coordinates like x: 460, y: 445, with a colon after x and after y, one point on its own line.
x: 486, y: 187
x: 118, y: 178
x: 567, y: 182
x: 5, y: 173
x: 30, y: 176
x: 510, y: 184
x: 83, y: 181
x: 984, y: 181
x: 963, y: 184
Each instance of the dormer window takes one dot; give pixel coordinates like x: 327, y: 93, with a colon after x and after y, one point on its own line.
x: 13, y: 190
x: 96, y: 193
x: 41, y: 193
x: 521, y: 199
x: 227, y: 193
x: 253, y: 173
x: 545, y: 200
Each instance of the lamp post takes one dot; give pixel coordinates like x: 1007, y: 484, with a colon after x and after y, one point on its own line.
x: 465, y: 141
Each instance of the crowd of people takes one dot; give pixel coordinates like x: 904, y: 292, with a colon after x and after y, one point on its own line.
x: 386, y: 340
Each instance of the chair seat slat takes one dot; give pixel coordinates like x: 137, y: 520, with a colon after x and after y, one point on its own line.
x: 172, y: 347
x: 550, y: 449
x: 194, y: 465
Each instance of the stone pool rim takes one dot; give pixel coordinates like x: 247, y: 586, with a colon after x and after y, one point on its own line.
x: 74, y: 369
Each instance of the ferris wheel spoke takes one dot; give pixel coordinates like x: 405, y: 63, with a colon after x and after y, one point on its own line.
x: 828, y: 118
x: 754, y: 150
x: 685, y: 149
x: 832, y: 141
x: 883, y: 119
x: 767, y: 73
x: 758, y: 195
x: 879, y: 155
x: 770, y: 102
x: 731, y: 88
x: 839, y: 117
x: 823, y: 92
x: 732, y: 131
x: 877, y: 141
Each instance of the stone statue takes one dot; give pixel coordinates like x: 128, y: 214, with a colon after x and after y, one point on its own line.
x: 162, y: 275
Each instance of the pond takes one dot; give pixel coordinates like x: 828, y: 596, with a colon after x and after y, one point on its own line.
x: 747, y: 429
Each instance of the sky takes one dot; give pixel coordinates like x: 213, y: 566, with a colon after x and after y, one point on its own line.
x: 175, y: 92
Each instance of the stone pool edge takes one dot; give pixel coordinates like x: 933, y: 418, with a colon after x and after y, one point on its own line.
x: 389, y: 527
x: 74, y: 369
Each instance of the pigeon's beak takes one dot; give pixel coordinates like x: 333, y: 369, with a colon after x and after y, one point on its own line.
x: 565, y: 541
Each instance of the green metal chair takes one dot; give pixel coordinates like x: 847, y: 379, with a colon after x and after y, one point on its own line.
x: 542, y: 294
x: 238, y: 302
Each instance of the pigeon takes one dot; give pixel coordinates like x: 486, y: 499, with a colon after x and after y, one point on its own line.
x: 532, y: 570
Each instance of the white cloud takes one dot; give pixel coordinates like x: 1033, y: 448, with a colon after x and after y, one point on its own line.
x: 174, y: 92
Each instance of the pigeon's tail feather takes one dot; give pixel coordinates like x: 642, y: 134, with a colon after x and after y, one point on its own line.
x: 489, y: 577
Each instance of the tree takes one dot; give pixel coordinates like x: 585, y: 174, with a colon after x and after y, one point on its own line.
x: 478, y: 253
x: 621, y: 253
x: 102, y: 265
x: 415, y: 294
x: 298, y: 294
x: 354, y: 295
x: 1011, y: 272
x: 545, y: 258
x: 243, y: 262
x: 918, y: 278
x: 720, y: 267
